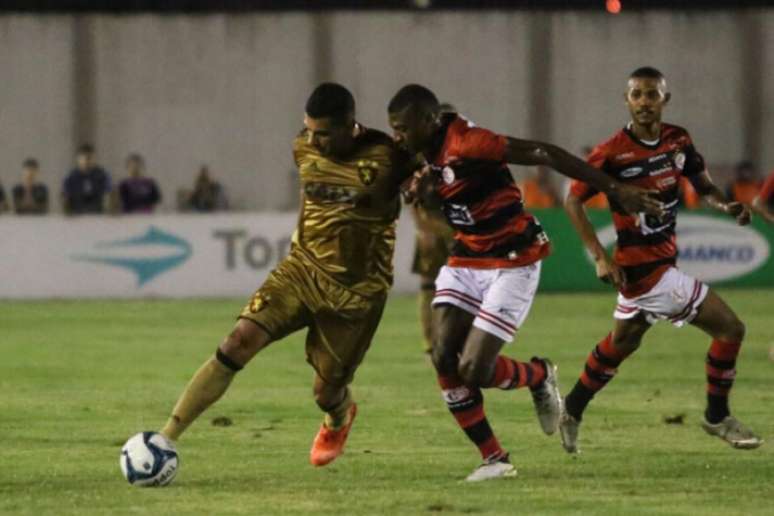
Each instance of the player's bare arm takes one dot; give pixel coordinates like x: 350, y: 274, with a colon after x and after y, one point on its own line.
x: 714, y: 197
x: 631, y: 199
x: 606, y: 269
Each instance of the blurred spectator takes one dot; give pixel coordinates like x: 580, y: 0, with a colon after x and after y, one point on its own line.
x: 139, y: 193
x: 30, y: 197
x: 763, y: 204
x: 689, y: 198
x: 207, y: 194
x: 538, y: 191
x: 599, y: 201
x: 3, y: 203
x: 745, y: 185
x: 87, y: 185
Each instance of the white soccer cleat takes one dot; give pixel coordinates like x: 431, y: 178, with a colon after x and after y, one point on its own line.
x: 733, y: 432
x: 499, y: 467
x: 568, y: 429
x: 548, y: 400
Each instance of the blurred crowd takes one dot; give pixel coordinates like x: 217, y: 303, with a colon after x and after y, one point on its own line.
x: 88, y: 188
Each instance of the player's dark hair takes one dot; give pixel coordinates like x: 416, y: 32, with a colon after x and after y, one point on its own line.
x: 30, y: 163
x: 85, y: 148
x: 331, y: 100
x: 646, y: 72
x: 414, y: 96
x: 136, y: 157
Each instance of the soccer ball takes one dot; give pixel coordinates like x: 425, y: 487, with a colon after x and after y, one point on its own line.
x: 149, y: 459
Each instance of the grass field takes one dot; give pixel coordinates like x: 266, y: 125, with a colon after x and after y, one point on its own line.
x: 78, y: 378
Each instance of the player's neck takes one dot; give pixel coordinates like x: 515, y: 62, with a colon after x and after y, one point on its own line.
x: 646, y: 132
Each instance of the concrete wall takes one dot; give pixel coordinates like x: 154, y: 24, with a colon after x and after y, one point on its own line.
x: 229, y: 90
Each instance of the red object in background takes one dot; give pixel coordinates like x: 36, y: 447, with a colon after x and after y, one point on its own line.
x: 613, y: 6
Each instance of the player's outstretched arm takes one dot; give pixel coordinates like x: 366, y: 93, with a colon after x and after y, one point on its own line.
x: 759, y: 207
x: 630, y: 198
x: 713, y: 196
x: 607, y: 270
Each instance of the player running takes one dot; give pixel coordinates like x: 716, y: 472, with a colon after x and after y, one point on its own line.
x: 484, y: 292
x: 652, y: 154
x: 335, y: 279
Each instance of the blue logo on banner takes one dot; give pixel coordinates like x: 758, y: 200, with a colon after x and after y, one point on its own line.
x: 145, y: 268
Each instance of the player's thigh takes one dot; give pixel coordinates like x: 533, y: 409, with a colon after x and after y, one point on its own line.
x: 276, y: 310
x: 479, y: 356
x: 718, y: 320
x: 451, y: 326
x: 628, y: 333
x: 338, y: 340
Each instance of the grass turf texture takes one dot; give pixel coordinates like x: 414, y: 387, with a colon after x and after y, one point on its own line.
x: 78, y: 378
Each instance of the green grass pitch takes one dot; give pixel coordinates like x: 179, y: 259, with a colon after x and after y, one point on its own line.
x: 78, y: 378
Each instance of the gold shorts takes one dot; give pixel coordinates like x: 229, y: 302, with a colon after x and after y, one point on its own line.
x: 341, y: 322
x: 428, y: 259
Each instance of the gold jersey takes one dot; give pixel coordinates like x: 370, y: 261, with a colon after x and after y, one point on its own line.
x: 349, y: 207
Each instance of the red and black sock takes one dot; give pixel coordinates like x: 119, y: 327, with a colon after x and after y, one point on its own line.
x: 512, y: 374
x: 721, y: 371
x: 601, y: 366
x: 467, y: 407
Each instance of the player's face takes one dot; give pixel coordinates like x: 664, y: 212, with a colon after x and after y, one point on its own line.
x: 646, y: 99
x: 327, y: 136
x: 411, y: 129
x: 85, y: 160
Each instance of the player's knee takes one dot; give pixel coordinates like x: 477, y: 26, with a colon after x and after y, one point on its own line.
x: 733, y: 331
x: 240, y: 345
x: 627, y: 343
x: 475, y: 373
x: 444, y: 361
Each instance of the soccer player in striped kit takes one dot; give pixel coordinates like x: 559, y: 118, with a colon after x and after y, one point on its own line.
x: 485, y: 291
x: 654, y: 155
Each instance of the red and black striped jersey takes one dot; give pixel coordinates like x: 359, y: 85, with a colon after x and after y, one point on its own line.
x: 646, y: 246
x: 481, y: 200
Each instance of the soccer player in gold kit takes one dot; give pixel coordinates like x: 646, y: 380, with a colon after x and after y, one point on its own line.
x: 335, y: 279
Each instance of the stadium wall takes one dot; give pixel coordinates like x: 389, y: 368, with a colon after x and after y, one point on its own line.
x: 230, y: 255
x: 228, y: 90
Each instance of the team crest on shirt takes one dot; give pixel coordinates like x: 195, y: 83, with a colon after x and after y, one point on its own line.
x: 366, y: 170
x: 448, y: 175
x: 679, y: 160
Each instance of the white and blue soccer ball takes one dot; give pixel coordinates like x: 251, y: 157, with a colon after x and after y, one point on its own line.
x: 149, y: 459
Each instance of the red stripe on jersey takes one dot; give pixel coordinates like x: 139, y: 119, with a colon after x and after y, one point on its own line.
x: 623, y: 222
x: 645, y: 284
x: 530, y: 255
x: 638, y: 255
x: 446, y: 191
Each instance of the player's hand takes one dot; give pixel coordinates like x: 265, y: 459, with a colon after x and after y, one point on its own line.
x: 420, y: 189
x: 609, y: 272
x: 739, y: 211
x: 634, y: 200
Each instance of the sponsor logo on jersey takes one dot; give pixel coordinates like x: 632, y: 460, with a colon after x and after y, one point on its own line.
x: 631, y: 172
x: 657, y: 157
x: 624, y: 156
x: 662, y: 170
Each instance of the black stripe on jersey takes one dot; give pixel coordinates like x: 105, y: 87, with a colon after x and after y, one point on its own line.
x: 496, y: 221
x: 629, y: 238
x: 469, y: 167
x: 482, y: 188
x: 635, y: 273
x: 516, y: 244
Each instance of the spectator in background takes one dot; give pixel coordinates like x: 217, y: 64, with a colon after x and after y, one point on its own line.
x: 87, y: 185
x: 538, y: 191
x: 763, y: 204
x: 138, y: 193
x: 599, y: 201
x: 3, y: 203
x: 745, y: 185
x: 207, y: 194
x: 30, y: 197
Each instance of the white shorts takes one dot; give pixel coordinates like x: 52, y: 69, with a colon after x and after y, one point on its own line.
x: 676, y: 297
x: 499, y: 298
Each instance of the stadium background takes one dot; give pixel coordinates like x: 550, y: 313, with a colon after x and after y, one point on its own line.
x: 186, y: 83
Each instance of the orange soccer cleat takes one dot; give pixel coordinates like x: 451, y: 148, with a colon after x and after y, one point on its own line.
x: 329, y: 444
